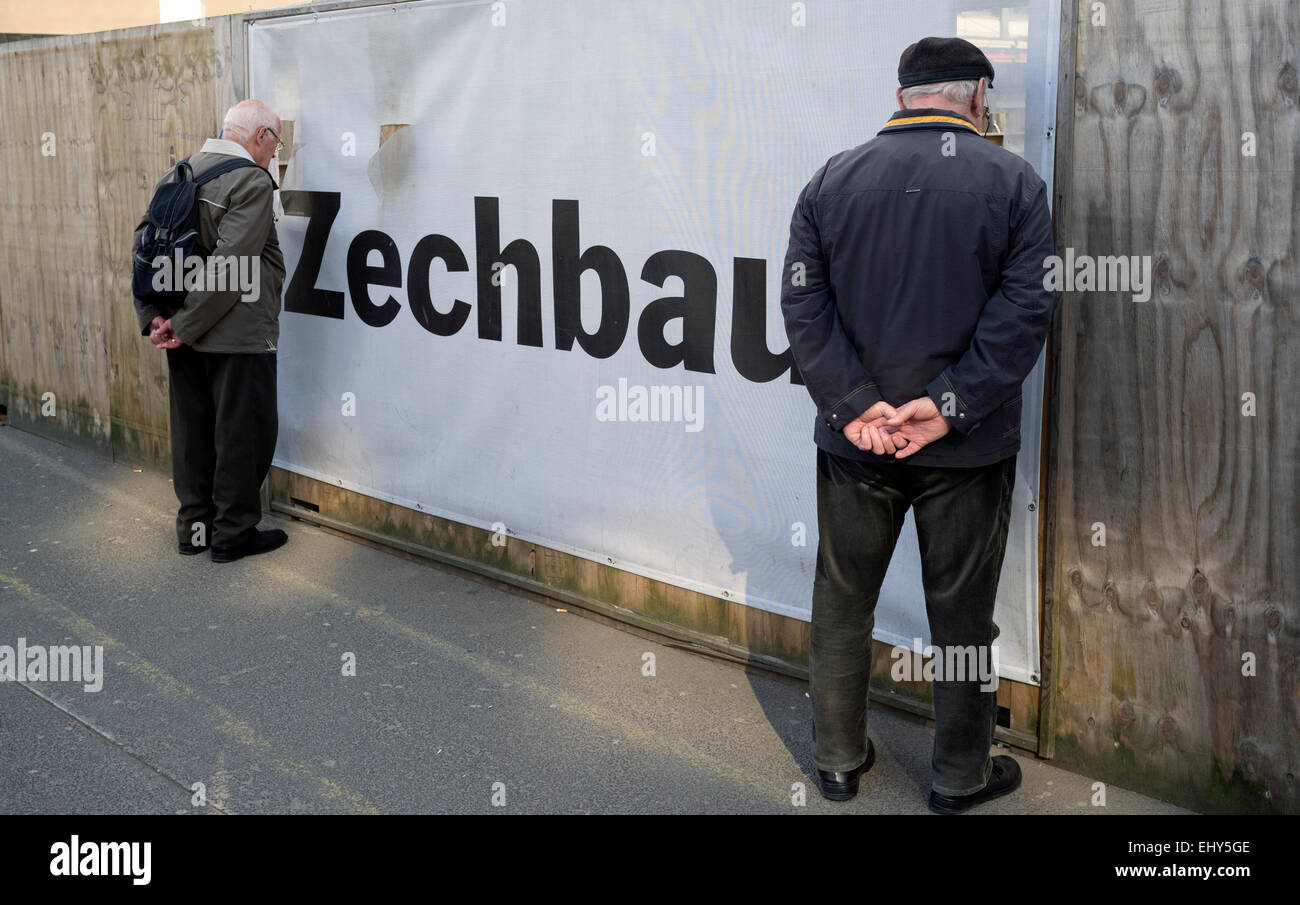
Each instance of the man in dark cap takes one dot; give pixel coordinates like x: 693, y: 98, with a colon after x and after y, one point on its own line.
x: 914, y: 299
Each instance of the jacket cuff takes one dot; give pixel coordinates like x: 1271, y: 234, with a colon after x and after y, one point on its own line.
x: 181, y: 329
x: 951, y: 404
x: 851, y: 406
x: 147, y: 314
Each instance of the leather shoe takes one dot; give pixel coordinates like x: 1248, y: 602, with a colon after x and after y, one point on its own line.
x: 187, y: 549
x: 1005, y: 778
x: 842, y: 786
x: 254, y: 543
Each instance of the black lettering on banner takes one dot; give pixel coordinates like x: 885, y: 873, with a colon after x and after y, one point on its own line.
x: 568, y: 266
x: 519, y: 254
x: 697, y: 306
x: 417, y: 281
x: 301, y: 296
x: 362, y: 275
x: 749, y: 351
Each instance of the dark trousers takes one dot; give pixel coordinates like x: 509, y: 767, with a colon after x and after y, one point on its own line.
x: 224, y: 423
x: 962, y: 516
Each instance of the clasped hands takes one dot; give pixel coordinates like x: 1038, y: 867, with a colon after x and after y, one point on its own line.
x: 162, y: 335
x: 903, y: 431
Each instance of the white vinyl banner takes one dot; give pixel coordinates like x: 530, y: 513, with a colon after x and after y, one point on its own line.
x: 534, y: 254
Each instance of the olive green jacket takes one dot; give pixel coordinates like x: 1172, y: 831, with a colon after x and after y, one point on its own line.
x: 236, y: 220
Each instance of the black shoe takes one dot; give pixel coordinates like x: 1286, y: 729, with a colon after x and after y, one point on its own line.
x: 1005, y: 778
x: 842, y: 786
x: 190, y: 549
x: 255, y: 542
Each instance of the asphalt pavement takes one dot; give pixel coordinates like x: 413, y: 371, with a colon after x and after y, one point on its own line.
x: 224, y: 686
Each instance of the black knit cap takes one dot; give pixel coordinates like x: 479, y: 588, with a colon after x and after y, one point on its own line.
x: 942, y: 60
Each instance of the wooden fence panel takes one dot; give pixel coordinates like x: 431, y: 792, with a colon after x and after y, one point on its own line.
x: 88, y: 124
x: 1186, y: 129
x: 55, y: 356
x: 158, y: 96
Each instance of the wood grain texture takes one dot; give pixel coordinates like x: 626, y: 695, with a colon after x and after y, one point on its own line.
x: 1048, y: 560
x: 158, y: 95
x: 1198, y: 500
x: 53, y: 286
x: 121, y: 107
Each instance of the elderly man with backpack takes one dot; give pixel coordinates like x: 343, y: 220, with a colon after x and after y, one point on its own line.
x: 211, y: 222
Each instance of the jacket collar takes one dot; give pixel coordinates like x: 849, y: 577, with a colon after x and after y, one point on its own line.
x: 926, y: 118
x: 227, y: 147
x: 231, y: 149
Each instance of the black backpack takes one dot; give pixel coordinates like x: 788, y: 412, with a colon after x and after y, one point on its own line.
x: 172, y: 225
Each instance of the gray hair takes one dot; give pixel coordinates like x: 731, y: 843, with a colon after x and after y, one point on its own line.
x: 245, y: 118
x: 954, y: 92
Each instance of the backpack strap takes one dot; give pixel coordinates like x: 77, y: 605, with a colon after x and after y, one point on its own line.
x: 227, y: 166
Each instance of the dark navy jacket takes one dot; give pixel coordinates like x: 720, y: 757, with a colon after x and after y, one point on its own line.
x: 916, y: 267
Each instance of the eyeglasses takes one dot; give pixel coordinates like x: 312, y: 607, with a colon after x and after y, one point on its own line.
x: 279, y: 145
x: 988, y: 118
